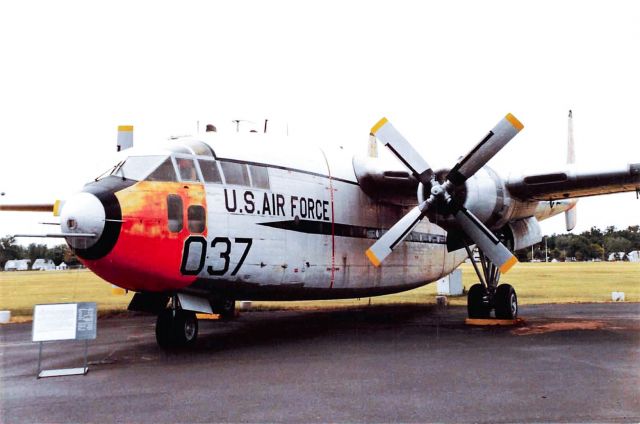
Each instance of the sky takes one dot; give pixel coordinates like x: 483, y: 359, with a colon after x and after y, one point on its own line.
x: 444, y: 72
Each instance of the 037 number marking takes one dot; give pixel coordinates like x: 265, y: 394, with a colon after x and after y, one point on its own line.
x: 194, y: 255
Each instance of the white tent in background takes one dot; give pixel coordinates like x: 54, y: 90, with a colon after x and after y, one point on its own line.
x: 62, y: 266
x: 43, y: 265
x: 17, y: 265
x: 634, y: 256
x: 616, y: 256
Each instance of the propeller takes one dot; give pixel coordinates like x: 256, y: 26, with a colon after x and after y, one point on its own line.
x: 488, y: 147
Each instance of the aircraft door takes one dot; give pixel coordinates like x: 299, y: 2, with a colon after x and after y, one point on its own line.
x: 187, y: 216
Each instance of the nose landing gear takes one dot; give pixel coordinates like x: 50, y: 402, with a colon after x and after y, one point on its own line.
x: 488, y: 295
x: 176, y: 328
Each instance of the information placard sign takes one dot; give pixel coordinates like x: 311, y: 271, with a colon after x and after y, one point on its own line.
x: 54, y: 322
x: 87, y: 322
x: 64, y: 321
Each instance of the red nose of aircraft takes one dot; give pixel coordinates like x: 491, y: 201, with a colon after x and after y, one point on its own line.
x: 121, y: 230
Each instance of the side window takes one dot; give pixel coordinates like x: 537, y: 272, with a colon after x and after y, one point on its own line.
x: 187, y: 169
x: 259, y: 176
x: 174, y: 211
x: 196, y: 218
x: 235, y: 173
x: 164, y: 172
x: 210, y: 171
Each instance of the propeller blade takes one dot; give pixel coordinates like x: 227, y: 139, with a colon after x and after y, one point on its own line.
x: 403, y: 150
x: 487, y: 148
x: 32, y: 207
x: 385, y: 244
x: 485, y: 240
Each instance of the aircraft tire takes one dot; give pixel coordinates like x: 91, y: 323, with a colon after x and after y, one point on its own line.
x: 177, y: 328
x: 506, y: 302
x: 164, y: 324
x: 476, y: 307
x: 185, y: 328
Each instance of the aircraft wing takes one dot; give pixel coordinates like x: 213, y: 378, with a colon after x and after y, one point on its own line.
x: 574, y: 182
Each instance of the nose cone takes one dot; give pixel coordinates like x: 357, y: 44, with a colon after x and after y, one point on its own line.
x: 83, y: 213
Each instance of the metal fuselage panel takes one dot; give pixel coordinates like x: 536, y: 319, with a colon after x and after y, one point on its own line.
x: 306, y: 235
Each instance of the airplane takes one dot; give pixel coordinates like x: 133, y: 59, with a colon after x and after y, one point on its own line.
x: 211, y: 219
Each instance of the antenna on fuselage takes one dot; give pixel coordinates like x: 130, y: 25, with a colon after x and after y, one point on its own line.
x: 125, y: 137
x: 571, y: 215
x: 571, y: 152
x: 239, y: 121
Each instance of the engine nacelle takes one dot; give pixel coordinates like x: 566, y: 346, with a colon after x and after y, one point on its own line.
x: 484, y: 194
x: 523, y: 233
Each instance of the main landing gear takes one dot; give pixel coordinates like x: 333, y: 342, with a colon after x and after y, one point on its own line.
x: 488, y: 295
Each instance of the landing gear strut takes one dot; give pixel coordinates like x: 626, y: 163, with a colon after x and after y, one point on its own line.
x: 176, y: 327
x: 224, y: 306
x: 488, y: 295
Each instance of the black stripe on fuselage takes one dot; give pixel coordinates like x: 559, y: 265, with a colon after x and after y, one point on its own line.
x: 346, y: 230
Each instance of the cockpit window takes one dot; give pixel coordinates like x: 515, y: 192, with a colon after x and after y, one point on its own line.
x: 187, y: 169
x: 138, y: 167
x: 108, y: 172
x: 259, y: 176
x: 210, y: 171
x: 165, y: 172
x: 235, y: 173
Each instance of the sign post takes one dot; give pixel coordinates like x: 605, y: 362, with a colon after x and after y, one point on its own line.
x: 64, y: 321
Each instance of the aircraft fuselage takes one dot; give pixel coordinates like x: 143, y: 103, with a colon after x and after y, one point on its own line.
x: 289, y: 227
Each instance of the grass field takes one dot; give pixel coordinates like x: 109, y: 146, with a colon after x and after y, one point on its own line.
x: 534, y: 282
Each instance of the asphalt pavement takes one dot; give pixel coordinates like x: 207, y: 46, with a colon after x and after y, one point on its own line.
x: 569, y: 363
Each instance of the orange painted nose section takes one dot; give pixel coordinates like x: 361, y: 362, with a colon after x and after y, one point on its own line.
x: 157, y: 218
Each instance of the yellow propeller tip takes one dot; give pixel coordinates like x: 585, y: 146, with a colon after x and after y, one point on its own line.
x: 372, y: 257
x: 379, y: 125
x: 507, y: 265
x: 514, y: 121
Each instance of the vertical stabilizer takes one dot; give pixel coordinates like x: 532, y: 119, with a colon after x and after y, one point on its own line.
x: 571, y: 216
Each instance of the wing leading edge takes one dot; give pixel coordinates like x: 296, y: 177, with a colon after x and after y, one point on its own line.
x: 573, y: 182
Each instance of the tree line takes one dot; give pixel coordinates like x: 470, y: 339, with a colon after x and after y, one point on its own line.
x: 595, y: 244
x: 10, y: 250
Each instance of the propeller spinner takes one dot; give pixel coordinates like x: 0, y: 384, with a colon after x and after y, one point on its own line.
x: 466, y: 167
